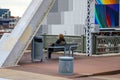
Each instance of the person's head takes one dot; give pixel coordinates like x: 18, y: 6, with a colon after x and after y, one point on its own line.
x: 61, y: 36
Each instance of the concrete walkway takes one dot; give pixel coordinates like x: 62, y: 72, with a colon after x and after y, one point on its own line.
x: 8, y: 74
x: 85, y: 68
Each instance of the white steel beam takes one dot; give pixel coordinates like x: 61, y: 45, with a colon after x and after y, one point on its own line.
x: 13, y: 45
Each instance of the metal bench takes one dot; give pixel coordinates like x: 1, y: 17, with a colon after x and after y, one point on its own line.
x: 68, y: 47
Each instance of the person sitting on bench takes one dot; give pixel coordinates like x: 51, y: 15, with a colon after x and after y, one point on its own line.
x: 60, y: 42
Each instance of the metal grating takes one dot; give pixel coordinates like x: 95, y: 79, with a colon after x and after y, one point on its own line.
x: 107, y: 44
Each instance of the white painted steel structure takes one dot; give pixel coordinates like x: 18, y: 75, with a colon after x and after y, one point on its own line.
x: 90, y: 23
x: 91, y: 27
x: 14, y: 44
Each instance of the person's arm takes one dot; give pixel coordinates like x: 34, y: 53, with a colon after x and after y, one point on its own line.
x: 58, y: 41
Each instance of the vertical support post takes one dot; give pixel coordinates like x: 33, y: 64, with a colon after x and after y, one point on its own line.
x: 88, y: 28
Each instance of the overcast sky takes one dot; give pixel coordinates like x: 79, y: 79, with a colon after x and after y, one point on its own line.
x: 17, y: 7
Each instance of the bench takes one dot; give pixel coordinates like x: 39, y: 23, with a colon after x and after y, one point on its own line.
x: 70, y: 47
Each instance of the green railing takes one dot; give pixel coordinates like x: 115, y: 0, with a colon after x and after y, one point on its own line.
x: 101, y: 44
x: 106, y: 44
x: 49, y: 39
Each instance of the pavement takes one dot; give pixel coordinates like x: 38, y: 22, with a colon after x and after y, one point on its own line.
x: 85, y: 68
x: 8, y: 74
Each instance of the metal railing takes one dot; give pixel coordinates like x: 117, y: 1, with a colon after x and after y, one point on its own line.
x: 101, y: 44
x: 106, y: 44
x: 49, y: 39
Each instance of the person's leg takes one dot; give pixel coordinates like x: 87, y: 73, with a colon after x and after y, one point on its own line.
x: 49, y: 55
x: 50, y: 50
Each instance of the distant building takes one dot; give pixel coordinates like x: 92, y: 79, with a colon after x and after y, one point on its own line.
x: 5, y: 13
x: 7, y: 22
x: 13, y: 21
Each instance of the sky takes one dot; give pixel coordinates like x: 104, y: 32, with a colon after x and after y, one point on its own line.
x: 17, y: 7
